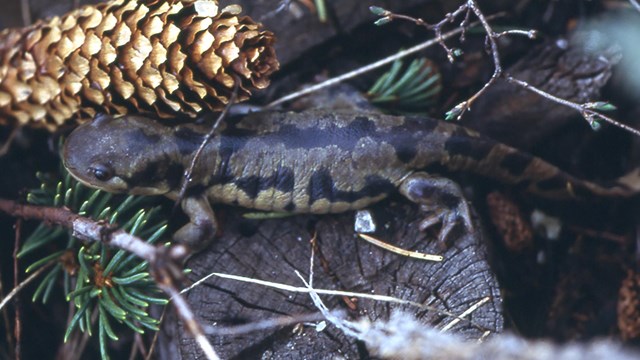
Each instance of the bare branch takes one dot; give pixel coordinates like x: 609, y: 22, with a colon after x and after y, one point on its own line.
x: 25, y: 10
x: 378, y: 64
x: 191, y: 323
x: 307, y: 290
x: 302, y: 289
x: 187, y: 174
x: 163, y: 261
x: 276, y: 322
x: 588, y: 114
x: 17, y: 329
x: 461, y: 108
x: 24, y: 283
x: 7, y: 325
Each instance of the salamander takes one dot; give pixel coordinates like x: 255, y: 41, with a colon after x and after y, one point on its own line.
x: 309, y: 162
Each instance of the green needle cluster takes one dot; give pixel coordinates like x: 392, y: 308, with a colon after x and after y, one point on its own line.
x: 106, y: 285
x: 411, y: 89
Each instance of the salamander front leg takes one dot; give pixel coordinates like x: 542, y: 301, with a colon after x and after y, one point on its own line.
x: 201, y: 229
x: 441, y: 199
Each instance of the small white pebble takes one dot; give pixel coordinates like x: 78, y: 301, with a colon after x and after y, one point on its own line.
x: 321, y: 326
x: 364, y: 222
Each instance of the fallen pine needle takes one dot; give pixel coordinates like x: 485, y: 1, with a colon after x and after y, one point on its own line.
x: 400, y: 251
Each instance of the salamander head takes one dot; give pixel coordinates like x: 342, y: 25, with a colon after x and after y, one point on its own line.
x: 121, y: 155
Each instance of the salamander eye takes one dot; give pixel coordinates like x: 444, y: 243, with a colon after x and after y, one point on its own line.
x: 101, y: 172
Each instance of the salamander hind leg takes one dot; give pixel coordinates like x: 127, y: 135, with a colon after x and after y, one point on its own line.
x: 202, y: 226
x: 441, y: 199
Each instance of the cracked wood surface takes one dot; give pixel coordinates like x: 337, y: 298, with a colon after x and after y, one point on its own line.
x: 278, y: 247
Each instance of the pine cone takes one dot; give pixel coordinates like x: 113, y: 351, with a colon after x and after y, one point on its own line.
x: 164, y: 57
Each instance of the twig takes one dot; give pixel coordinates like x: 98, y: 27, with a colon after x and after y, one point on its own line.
x: 4, y: 148
x: 469, y: 311
x: 380, y: 63
x: 355, y: 329
x: 341, y: 324
x: 154, y: 341
x: 466, y: 8
x: 187, y: 173
x: 7, y: 325
x: 25, y: 9
x: 277, y: 322
x: 302, y: 289
x: 362, y: 329
x: 24, y: 283
x: 635, y: 4
x: 163, y: 262
x: 134, y: 347
x: 604, y: 235
x: 77, y: 343
x: 461, y: 108
x: 17, y: 329
x: 338, y: 321
x: 586, y: 110
x: 588, y: 114
x: 335, y: 319
x: 188, y: 317
x: 436, y: 28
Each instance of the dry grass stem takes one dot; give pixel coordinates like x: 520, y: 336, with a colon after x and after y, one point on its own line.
x: 23, y: 284
x: 400, y: 251
x: 276, y: 322
x: 467, y: 312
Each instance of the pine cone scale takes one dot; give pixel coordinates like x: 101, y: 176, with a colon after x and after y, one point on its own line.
x: 166, y: 58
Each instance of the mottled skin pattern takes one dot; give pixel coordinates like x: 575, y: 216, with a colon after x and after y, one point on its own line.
x: 310, y: 162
